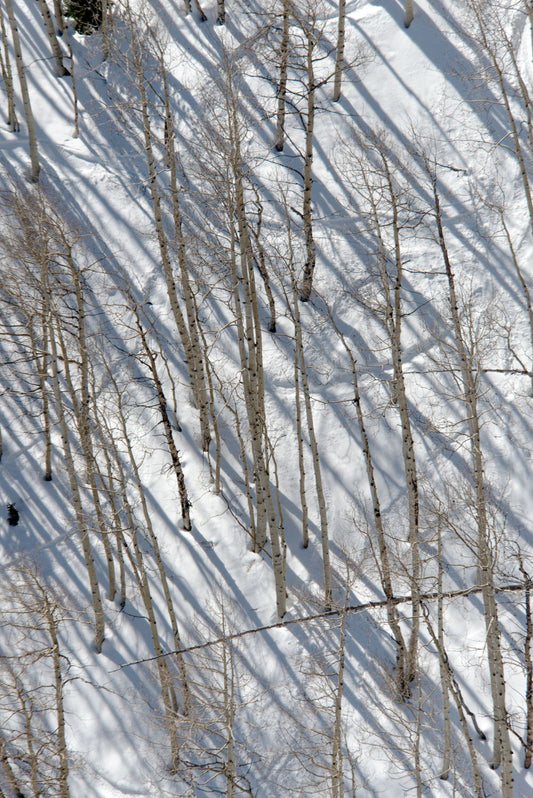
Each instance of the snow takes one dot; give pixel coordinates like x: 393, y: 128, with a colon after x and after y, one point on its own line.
x: 413, y: 86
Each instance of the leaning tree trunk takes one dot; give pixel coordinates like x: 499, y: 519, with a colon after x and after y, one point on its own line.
x: 28, y: 113
x: 52, y: 38
x: 409, y: 12
x: 502, y: 745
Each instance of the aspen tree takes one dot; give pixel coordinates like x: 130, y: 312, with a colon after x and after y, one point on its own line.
x: 383, y: 557
x: 145, y: 583
x: 197, y: 366
x: 61, y: 70
x: 528, y: 638
x: 502, y: 754
x: 462, y: 709
x: 228, y: 175
x: 192, y: 353
x: 386, y: 199
x: 59, y: 18
x: 137, y: 481
x: 33, y: 615
x: 339, y: 52
x: 7, y: 75
x: 487, y: 28
x: 167, y: 427
x: 28, y: 113
x: 324, y: 533
x: 216, y: 755
x: 389, y: 209
x: 311, y: 39
x: 24, y: 243
x: 76, y: 131
x: 322, y: 723
x: 310, y: 51
x: 99, y: 629
x: 282, y: 85
x: 44, y: 245
x: 221, y: 12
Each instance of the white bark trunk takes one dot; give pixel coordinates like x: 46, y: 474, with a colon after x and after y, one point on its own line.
x: 339, y: 55
x: 61, y: 70
x: 28, y: 113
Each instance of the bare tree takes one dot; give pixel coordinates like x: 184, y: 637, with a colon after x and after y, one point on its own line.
x: 28, y: 113
x: 469, y: 387
x: 339, y: 52
x: 61, y: 70
x: 33, y: 684
x: 7, y: 75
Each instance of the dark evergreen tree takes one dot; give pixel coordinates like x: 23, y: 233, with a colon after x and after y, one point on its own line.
x: 87, y: 14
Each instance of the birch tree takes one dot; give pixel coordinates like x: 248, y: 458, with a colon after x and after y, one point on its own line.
x: 135, y: 68
x: 61, y: 70
x: 339, y: 52
x: 469, y: 387
x: 7, y: 76
x: 28, y: 113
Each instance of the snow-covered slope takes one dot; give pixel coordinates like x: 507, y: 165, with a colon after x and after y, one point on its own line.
x: 420, y: 180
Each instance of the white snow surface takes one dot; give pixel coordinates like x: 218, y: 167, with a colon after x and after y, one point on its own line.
x: 420, y: 90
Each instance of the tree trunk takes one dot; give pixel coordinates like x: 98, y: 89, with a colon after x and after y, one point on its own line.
x: 28, y: 113
x: 54, y: 44
x: 309, y: 267
x: 502, y: 746
x: 339, y: 55
x: 77, y: 501
x: 409, y: 12
x: 314, y: 449
x: 282, y: 86
x: 7, y: 76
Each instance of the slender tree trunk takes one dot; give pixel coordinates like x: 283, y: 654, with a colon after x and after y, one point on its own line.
x: 339, y: 55
x: 525, y: 288
x: 307, y: 213
x: 8, y: 770
x: 385, y: 571
x: 409, y: 12
x: 54, y: 44
x: 221, y: 12
x: 408, y: 448
x: 528, y: 745
x: 76, y: 131
x: 479, y: 790
x: 7, y: 76
x: 196, y: 368
x: 444, y: 674
x: 167, y: 427
x: 314, y: 449
x: 502, y: 746
x: 300, y: 438
x: 28, y: 113
x: 76, y: 499
x: 152, y: 537
x: 190, y: 353
x: 64, y: 791
x: 282, y: 86
x: 58, y: 13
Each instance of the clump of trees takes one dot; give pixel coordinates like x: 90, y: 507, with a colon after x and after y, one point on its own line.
x: 87, y: 14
